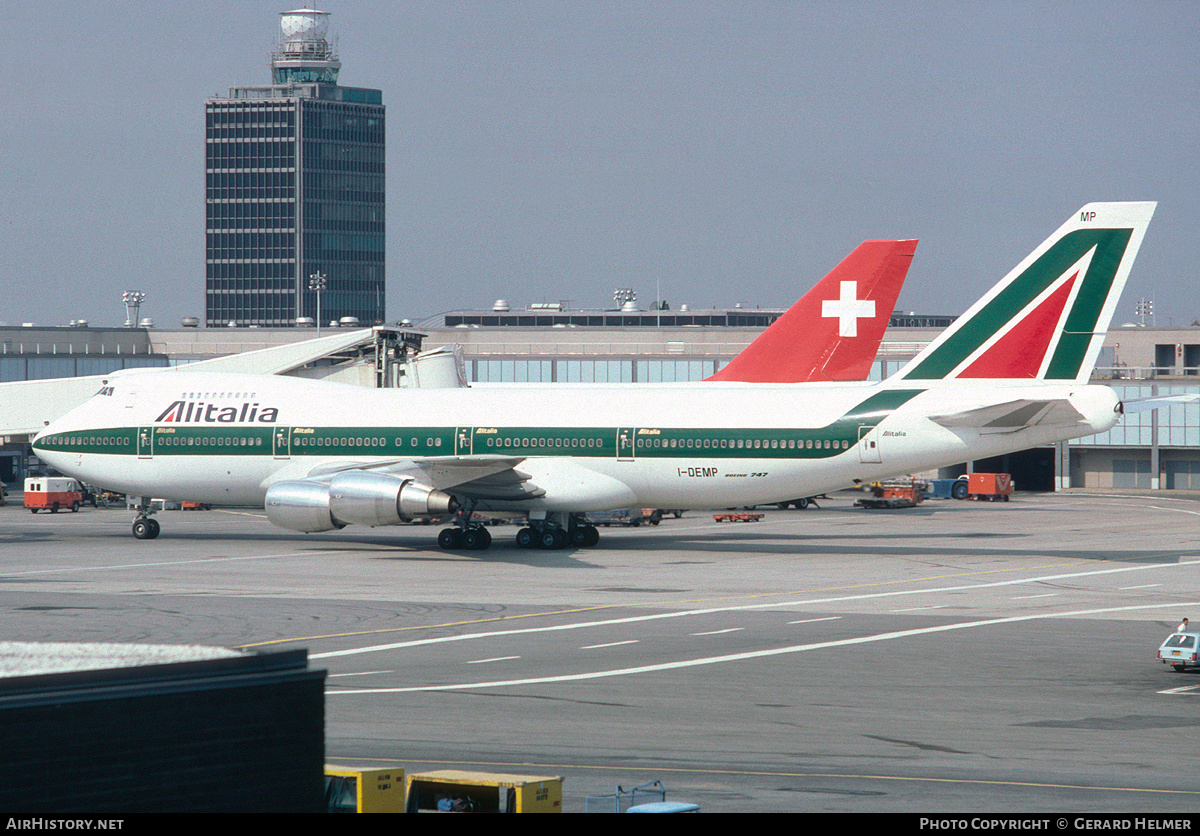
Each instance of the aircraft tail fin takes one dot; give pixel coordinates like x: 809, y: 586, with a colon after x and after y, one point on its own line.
x: 1047, y: 318
x: 834, y: 331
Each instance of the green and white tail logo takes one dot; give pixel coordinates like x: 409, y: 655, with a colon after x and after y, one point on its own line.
x: 1047, y: 318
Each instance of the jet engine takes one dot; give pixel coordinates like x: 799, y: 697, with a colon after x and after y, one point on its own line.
x: 353, y: 497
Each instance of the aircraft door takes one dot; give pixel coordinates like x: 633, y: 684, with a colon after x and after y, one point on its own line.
x: 868, y: 446
x: 145, y: 442
x: 281, y: 442
x: 464, y: 438
x: 625, y: 441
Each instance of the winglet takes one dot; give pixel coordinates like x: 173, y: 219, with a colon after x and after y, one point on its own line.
x: 1047, y: 318
x: 834, y: 331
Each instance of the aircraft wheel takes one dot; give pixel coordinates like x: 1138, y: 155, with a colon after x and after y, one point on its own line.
x: 801, y: 504
x: 525, y: 538
x: 145, y: 528
x: 579, y: 536
x: 552, y: 538
x: 450, y: 538
x: 593, y: 536
x: 476, y: 539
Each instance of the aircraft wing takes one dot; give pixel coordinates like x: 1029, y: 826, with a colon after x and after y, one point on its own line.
x: 1011, y: 416
x: 479, y: 477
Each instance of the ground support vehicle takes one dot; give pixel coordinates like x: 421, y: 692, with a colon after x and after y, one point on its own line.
x: 455, y: 790
x: 895, y: 494
x: 52, y: 492
x: 627, y: 516
x: 799, y: 504
x: 738, y: 516
x: 1179, y: 651
x: 994, y: 487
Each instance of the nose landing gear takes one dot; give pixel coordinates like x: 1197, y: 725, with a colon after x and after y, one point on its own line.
x: 145, y: 527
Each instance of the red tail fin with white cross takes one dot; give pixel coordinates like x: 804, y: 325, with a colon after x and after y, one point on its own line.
x: 834, y: 331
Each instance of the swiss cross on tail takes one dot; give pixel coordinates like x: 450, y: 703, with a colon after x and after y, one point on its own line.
x: 848, y: 309
x: 1047, y: 318
x: 834, y: 331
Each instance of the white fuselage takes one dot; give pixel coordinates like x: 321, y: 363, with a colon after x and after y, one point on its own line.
x: 227, y: 438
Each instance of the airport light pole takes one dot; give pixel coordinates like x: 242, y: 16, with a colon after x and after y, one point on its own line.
x: 317, y: 282
x: 133, y: 302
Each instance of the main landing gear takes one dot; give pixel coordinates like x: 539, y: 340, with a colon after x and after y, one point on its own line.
x: 472, y: 538
x: 543, y: 534
x: 466, y: 535
x: 539, y: 534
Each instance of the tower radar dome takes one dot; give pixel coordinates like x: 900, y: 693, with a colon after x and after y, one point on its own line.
x: 304, y: 24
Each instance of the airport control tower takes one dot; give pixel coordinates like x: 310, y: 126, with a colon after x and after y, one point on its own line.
x: 294, y: 191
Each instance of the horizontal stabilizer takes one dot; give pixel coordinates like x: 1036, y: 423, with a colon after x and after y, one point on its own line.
x: 1151, y: 404
x: 1012, y: 415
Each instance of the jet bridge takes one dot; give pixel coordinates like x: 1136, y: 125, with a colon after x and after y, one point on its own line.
x: 379, y: 357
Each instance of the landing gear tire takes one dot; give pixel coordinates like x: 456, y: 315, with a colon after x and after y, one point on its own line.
x: 800, y: 504
x: 450, y: 538
x: 525, y: 538
x: 476, y: 539
x: 585, y: 536
x: 145, y: 528
x: 552, y: 538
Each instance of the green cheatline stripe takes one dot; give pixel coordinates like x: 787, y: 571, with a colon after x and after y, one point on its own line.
x: 1110, y: 247
x: 212, y: 439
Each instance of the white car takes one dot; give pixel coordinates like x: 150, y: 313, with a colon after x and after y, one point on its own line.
x: 1179, y: 651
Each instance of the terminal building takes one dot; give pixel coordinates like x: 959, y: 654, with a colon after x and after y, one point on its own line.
x: 294, y: 191
x: 1158, y: 449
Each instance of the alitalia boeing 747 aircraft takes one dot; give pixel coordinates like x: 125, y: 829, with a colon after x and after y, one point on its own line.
x: 1009, y: 374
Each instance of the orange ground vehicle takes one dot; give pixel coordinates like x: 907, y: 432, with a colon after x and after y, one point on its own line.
x: 994, y: 487
x: 895, y: 493
x: 52, y: 492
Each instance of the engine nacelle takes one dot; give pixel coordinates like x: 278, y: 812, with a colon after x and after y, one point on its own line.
x: 300, y: 506
x: 365, y: 498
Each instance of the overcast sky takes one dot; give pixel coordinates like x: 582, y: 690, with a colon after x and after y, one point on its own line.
x: 543, y: 151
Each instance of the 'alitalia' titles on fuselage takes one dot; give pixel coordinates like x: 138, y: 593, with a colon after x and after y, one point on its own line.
x: 199, y: 412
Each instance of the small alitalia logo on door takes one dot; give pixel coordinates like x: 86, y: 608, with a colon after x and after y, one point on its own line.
x: 196, y: 412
